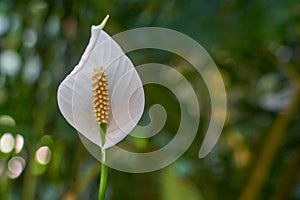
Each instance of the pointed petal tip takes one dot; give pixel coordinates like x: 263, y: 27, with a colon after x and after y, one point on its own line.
x: 103, y: 23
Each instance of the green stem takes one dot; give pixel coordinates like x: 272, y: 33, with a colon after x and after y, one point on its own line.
x: 104, y: 168
x: 103, y: 178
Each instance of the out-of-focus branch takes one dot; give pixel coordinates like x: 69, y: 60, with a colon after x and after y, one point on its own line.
x: 30, y: 181
x: 289, y: 178
x: 273, y: 141
x: 82, y: 182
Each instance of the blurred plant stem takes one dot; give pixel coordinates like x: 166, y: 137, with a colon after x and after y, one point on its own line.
x: 274, y: 140
x: 289, y: 177
x: 30, y: 180
x: 82, y: 182
x: 6, y: 187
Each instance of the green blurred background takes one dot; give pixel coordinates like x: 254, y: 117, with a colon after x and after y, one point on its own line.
x: 255, y: 44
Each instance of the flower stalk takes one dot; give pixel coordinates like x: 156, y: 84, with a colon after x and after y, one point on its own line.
x: 104, y: 168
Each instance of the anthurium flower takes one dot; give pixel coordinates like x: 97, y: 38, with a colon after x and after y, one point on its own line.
x: 103, y: 88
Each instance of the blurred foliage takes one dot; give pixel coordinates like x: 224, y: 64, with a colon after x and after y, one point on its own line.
x: 255, y: 44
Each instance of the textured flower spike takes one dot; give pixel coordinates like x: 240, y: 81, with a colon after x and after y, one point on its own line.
x: 103, y: 88
x: 101, y: 98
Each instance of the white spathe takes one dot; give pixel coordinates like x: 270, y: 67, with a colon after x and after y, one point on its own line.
x: 75, y: 96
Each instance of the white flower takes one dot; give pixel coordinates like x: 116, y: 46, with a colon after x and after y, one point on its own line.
x: 125, y: 91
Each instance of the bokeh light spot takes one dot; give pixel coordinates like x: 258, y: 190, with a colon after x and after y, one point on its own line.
x: 52, y: 26
x: 43, y: 155
x: 19, y: 143
x: 10, y: 63
x: 4, y: 24
x: 7, y: 120
x: 7, y: 143
x: 29, y: 38
x: 32, y: 69
x: 15, y: 167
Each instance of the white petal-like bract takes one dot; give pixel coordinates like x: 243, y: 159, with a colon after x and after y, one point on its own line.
x: 75, y: 95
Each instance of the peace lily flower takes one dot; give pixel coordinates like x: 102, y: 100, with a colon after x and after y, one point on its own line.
x: 103, y: 97
x: 104, y: 88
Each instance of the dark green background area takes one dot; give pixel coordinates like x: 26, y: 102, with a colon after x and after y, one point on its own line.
x: 256, y: 46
